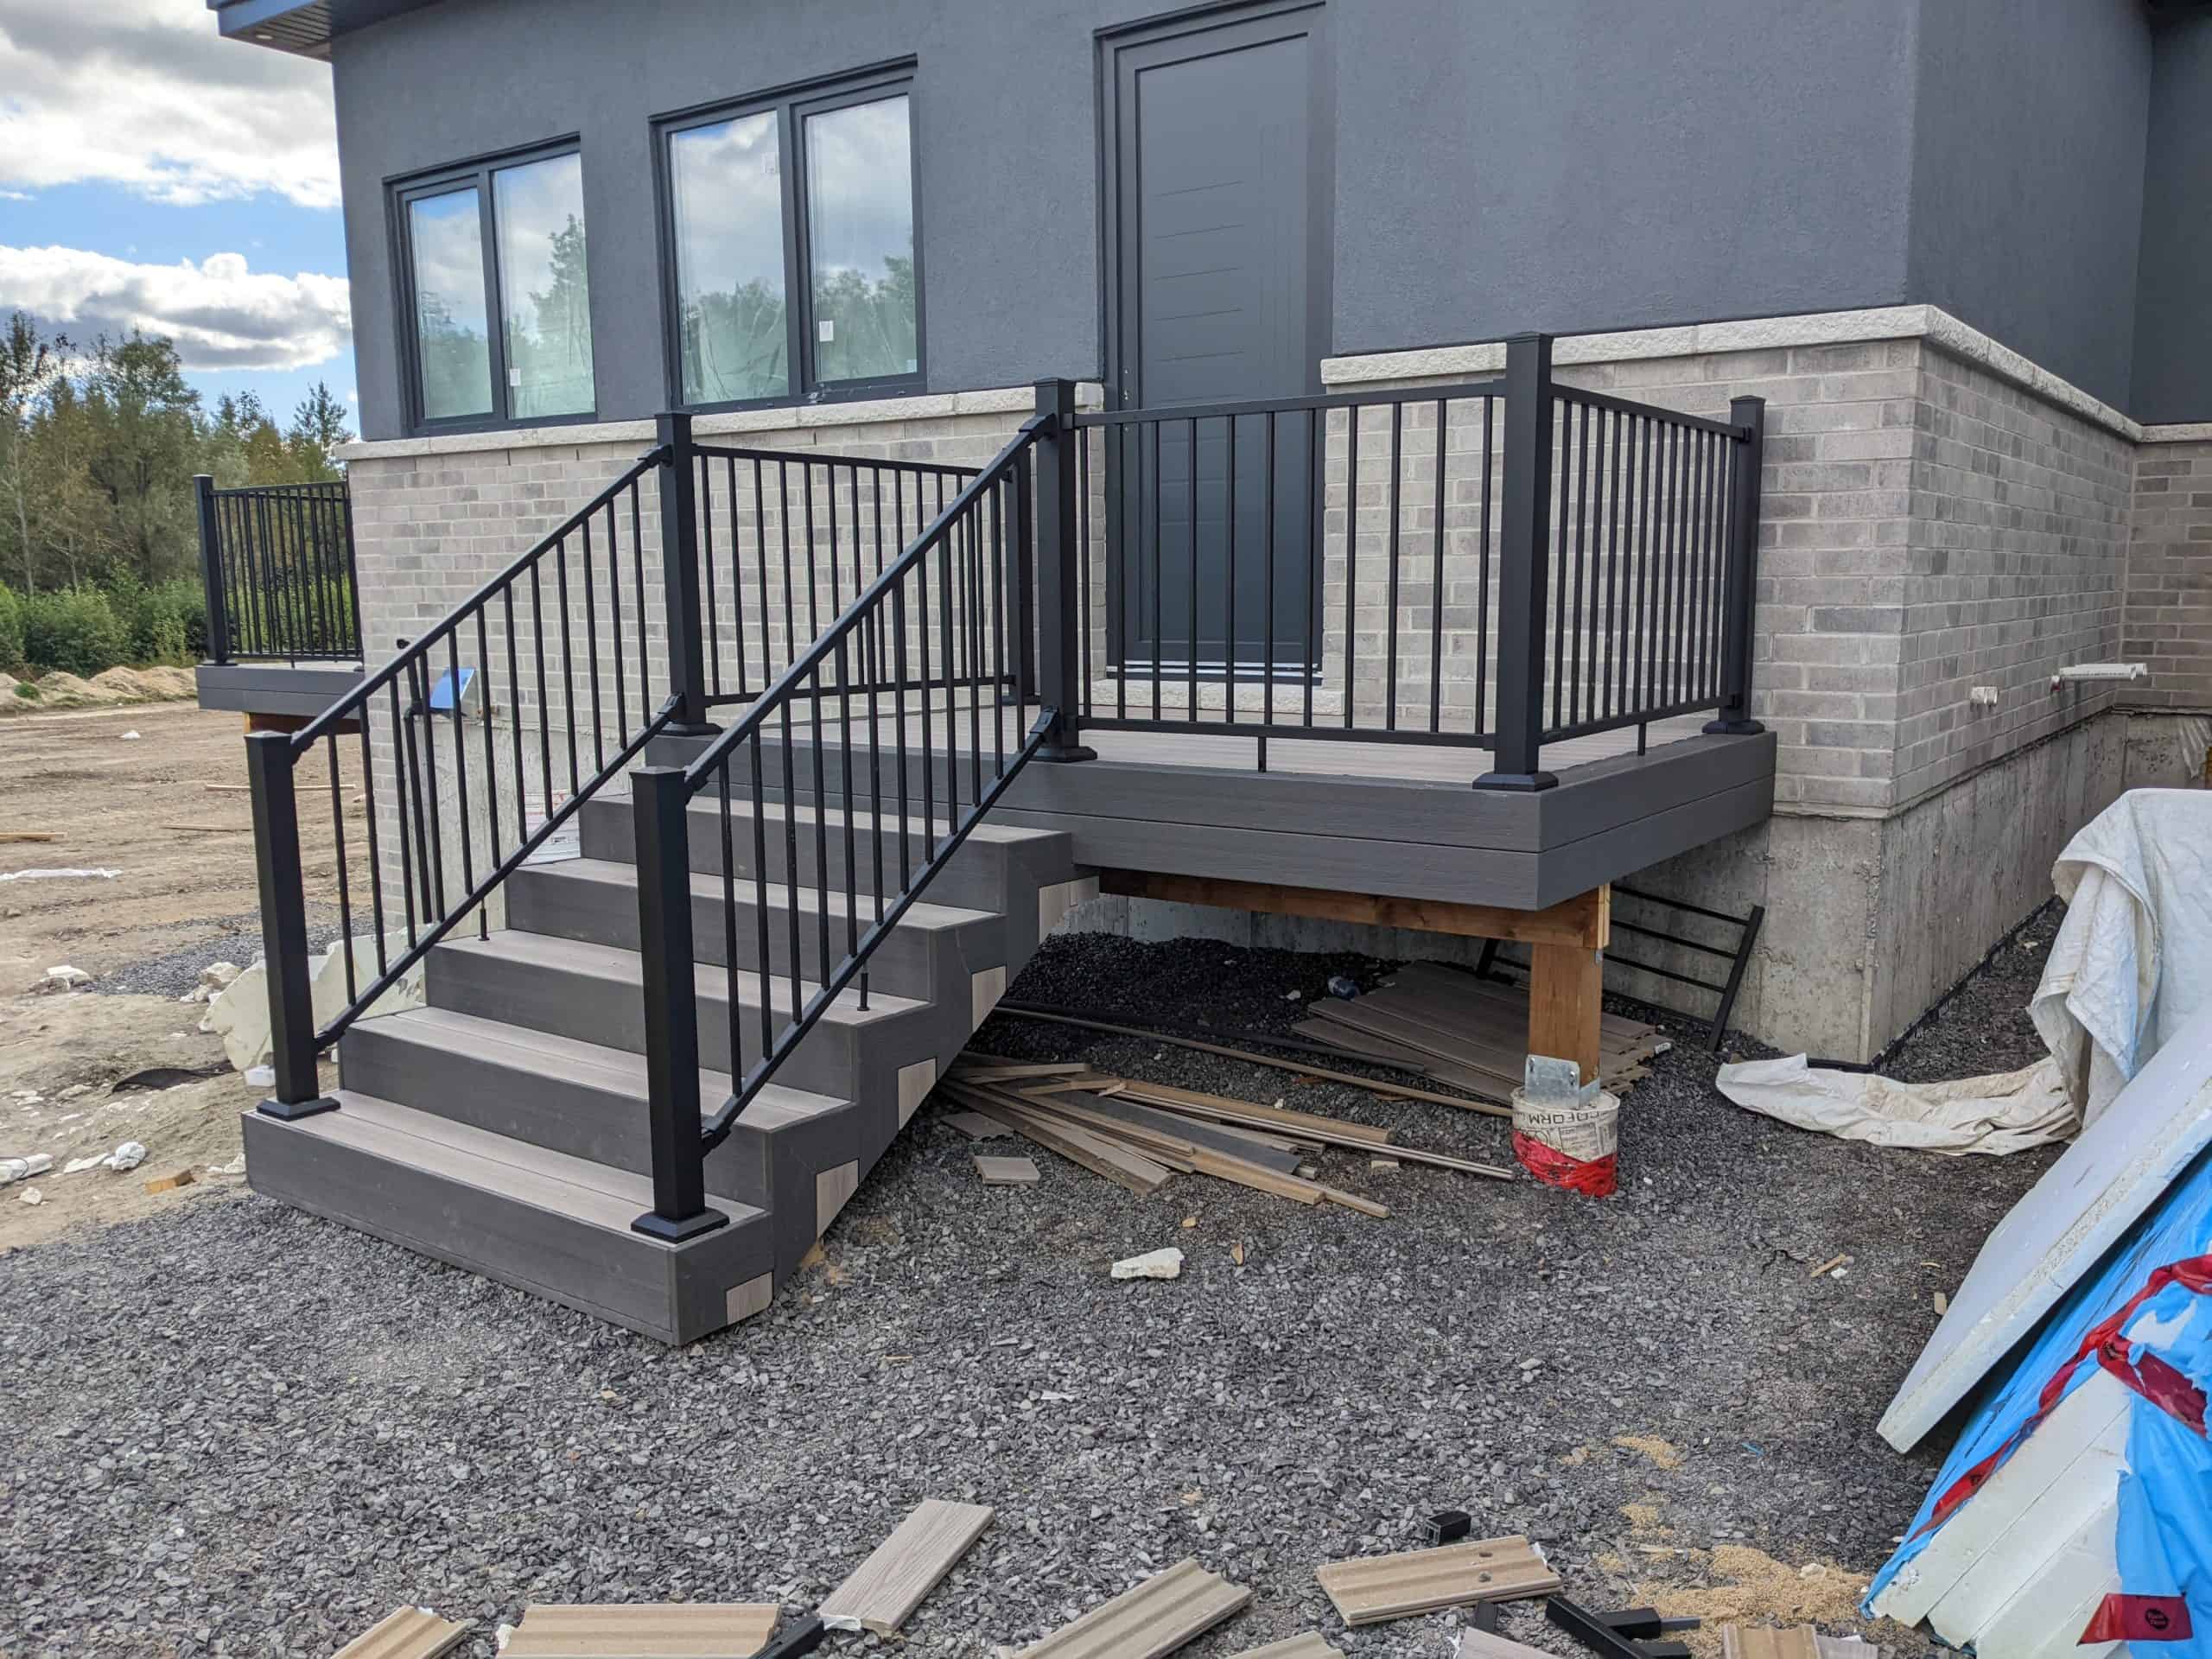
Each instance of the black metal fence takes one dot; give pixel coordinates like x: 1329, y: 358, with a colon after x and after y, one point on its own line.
x: 1498, y: 565
x: 836, y: 796
x: 277, y: 563
x: 560, y: 647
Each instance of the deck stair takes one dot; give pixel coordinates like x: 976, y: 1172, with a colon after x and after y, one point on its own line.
x: 503, y: 1127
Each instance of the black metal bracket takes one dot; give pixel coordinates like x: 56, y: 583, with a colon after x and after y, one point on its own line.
x: 804, y: 1637
x: 1738, y: 958
x: 1606, y: 1633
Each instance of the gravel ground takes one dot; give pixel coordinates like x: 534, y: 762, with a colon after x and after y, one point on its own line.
x: 234, y: 939
x: 236, y: 1429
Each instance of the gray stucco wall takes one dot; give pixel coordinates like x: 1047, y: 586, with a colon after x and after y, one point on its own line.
x: 2027, y: 177
x: 1562, y: 164
x: 2173, y: 340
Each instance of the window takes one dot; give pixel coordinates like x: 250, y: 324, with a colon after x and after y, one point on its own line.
x: 498, y: 294
x: 790, y: 247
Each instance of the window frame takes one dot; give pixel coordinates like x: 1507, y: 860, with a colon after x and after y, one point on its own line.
x: 791, y: 105
x: 476, y: 173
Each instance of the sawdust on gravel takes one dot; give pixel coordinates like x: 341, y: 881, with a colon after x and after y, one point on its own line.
x: 1739, y: 1584
x: 1665, y: 1454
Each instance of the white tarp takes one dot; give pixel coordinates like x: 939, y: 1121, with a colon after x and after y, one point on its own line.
x: 240, y: 1015
x: 2132, y: 961
x: 1998, y: 1114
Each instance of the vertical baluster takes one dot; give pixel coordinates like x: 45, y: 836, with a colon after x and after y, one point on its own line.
x: 1190, y: 538
x: 461, y: 767
x: 591, y: 651
x: 436, y: 815
x: 733, y: 1002
x: 1317, y: 564
x: 1128, y: 587
x: 898, y: 711
x: 705, y: 476
x: 1390, y: 586
x: 737, y: 1067
x: 1608, y: 704
x: 1562, y: 566
x: 1482, y: 588
x: 544, y: 712
x: 736, y: 568
x: 403, y: 766
x: 514, y: 725
x: 1351, y: 563
x: 784, y: 526
x: 1436, y: 583
x: 491, y: 748
x: 791, y: 857
x: 345, y: 893
x: 814, y: 694
x: 363, y: 721
x: 568, y: 665
x: 1269, y: 557
x: 677, y: 648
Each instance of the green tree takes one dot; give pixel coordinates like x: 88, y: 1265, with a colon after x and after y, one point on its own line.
x: 30, y: 365
x: 318, y: 426
x: 146, y: 421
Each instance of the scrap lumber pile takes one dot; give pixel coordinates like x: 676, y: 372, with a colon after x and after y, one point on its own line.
x: 1138, y: 1135
x: 1472, y: 1033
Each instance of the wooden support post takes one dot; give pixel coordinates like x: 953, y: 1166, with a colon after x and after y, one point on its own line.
x: 1565, y: 996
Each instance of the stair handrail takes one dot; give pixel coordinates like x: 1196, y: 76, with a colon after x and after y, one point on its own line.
x: 990, y: 515
x: 418, y: 699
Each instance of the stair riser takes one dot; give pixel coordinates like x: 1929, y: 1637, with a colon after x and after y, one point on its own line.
x: 911, y: 961
x: 676, y: 1296
x: 928, y: 783
x: 847, y: 1062
x: 974, y: 877
x: 606, y: 1126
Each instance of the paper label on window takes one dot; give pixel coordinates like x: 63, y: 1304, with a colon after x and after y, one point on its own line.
x: 826, y: 330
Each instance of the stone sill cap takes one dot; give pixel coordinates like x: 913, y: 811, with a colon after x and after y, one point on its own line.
x: 1928, y: 323
x: 932, y: 406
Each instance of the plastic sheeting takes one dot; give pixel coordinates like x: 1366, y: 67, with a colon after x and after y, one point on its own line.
x: 2131, y: 961
x: 1998, y: 1114
x: 2144, y: 1320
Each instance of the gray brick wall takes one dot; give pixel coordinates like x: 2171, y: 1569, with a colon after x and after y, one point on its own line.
x: 2168, y: 621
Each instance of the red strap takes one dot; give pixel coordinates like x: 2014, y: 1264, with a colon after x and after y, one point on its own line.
x: 2151, y: 1378
x: 1593, y: 1177
x: 2139, y: 1619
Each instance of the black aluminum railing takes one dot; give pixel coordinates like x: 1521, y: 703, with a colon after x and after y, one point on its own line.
x: 558, y: 648
x: 1499, y: 565
x: 1494, y: 565
x: 276, y: 565
x: 877, y: 749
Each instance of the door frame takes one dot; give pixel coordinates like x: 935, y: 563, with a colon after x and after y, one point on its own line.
x: 1232, y: 26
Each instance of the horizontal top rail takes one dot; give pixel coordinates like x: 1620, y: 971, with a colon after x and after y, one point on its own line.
x: 419, y: 649
x: 696, y: 775
x: 1651, y: 411
x: 324, y: 489
x: 831, y: 458
x: 1258, y: 406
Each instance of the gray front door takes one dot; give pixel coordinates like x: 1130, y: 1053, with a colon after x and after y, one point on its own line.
x: 1219, y: 223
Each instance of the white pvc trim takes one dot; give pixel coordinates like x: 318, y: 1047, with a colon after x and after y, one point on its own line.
x: 1927, y: 322
x: 789, y: 417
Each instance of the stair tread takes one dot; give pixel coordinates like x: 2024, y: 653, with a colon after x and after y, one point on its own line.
x: 775, y: 811
x: 594, y: 1194
x: 611, y: 961
x: 548, y: 1053
x: 921, y: 914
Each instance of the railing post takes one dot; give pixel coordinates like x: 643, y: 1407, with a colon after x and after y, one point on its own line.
x: 1060, y: 574
x: 283, y: 928
x: 211, y: 570
x: 679, y: 562
x: 1021, y: 584
x: 1735, y: 717
x: 1524, y: 542
x: 659, y: 801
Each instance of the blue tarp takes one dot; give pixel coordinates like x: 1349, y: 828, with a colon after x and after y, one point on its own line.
x: 2145, y: 1316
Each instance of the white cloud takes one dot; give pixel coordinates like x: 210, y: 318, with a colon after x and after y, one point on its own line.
x: 221, y: 314
x: 146, y: 94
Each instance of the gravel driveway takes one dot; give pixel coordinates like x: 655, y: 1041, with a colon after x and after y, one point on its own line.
x: 236, y: 1429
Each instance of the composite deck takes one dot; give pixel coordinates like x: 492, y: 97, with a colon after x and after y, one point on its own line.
x: 1392, y: 819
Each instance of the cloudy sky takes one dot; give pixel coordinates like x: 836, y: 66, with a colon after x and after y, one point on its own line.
x: 154, y: 175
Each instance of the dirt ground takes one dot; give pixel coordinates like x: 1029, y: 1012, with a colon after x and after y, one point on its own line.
x: 167, y: 812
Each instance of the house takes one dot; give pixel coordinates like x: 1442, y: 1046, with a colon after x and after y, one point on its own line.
x: 1860, y: 373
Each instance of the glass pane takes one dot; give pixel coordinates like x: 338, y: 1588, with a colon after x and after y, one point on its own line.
x: 545, y: 293
x: 859, y: 222
x: 445, y: 236
x: 725, y: 184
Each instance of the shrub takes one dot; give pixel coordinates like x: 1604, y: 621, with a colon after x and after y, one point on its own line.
x: 12, y: 629
x: 73, y: 629
x: 166, y: 623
